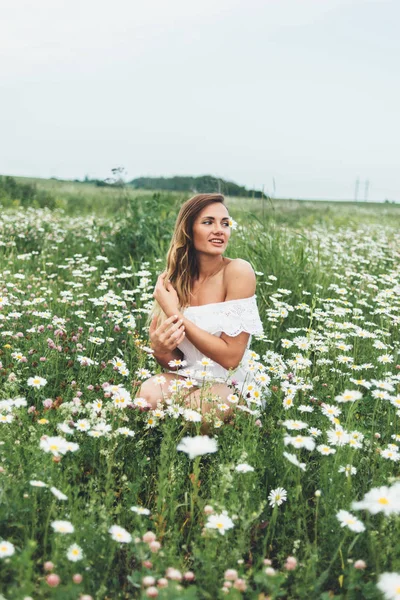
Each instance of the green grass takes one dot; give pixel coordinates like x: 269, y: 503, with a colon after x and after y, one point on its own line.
x: 327, y: 274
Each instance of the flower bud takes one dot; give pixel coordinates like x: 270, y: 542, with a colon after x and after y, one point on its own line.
x: 154, y: 546
x: 149, y: 536
x: 291, y: 563
x: 152, y: 592
x: 240, y: 585
x: 231, y: 575
x: 53, y: 580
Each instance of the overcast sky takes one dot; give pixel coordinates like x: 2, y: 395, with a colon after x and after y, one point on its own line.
x: 306, y: 92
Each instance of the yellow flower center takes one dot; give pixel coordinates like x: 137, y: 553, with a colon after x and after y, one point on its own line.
x: 383, y: 500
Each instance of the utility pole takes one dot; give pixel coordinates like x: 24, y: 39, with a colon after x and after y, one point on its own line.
x: 356, y: 189
x: 366, y: 189
x: 262, y: 200
x: 274, y: 187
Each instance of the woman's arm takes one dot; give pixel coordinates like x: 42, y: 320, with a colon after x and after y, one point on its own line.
x: 225, y: 350
x: 164, y: 359
x: 165, y: 339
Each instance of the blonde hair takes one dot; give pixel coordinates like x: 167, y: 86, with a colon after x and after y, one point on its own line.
x: 182, y: 267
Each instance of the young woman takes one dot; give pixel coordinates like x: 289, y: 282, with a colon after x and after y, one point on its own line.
x: 204, y: 306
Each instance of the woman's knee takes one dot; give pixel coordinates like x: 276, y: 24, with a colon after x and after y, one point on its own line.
x: 150, y: 392
x: 213, y: 400
x: 153, y: 391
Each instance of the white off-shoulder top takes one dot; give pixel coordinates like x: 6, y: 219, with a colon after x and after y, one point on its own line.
x: 231, y: 317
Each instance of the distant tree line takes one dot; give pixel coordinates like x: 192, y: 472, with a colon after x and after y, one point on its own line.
x: 13, y: 192
x: 196, y: 185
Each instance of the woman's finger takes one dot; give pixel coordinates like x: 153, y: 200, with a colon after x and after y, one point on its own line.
x: 153, y: 324
x: 178, y: 333
x: 168, y: 322
x: 181, y: 337
x: 172, y: 330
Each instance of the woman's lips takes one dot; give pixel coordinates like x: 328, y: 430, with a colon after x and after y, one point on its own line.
x: 221, y: 243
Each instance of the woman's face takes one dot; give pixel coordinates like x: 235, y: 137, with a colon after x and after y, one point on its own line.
x: 211, y: 230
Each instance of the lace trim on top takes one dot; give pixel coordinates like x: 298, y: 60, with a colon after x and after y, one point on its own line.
x: 231, y: 317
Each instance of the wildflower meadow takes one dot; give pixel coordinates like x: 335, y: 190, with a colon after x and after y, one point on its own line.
x: 296, y: 495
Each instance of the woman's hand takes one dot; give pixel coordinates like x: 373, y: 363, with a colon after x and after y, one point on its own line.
x: 168, y: 336
x: 166, y: 297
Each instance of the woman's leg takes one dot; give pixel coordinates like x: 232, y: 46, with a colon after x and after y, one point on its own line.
x: 155, y: 392
x: 202, y: 400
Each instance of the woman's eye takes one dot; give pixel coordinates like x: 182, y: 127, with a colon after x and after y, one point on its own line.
x: 207, y: 222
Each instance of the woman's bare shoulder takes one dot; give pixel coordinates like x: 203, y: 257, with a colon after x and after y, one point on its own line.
x: 239, y: 279
x: 238, y: 266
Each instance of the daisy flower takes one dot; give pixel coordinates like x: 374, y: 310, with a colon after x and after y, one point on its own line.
x: 177, y: 363
x: 74, y: 553
x: 389, y: 585
x: 125, y: 431
x: 277, y: 496
x: 382, y: 499
x: 6, y: 418
x: 206, y: 362
x: 314, y: 431
x: 287, y: 402
x: 37, y: 382
x: 62, y: 527
x: 233, y: 398
x: 189, y: 383
x: 330, y: 410
x: 82, y: 425
x: 390, y: 454
x: 54, y: 444
x: 337, y: 436
x: 220, y: 522
x: 197, y: 446
x: 300, y: 441
x: 323, y: 449
x: 295, y: 425
x: 232, y: 223
x: 385, y: 358
x: 145, y: 373
x: 6, y: 549
x: 119, y: 534
x: 244, y: 468
x: 140, y: 510
x: 141, y: 403
x: 349, y: 396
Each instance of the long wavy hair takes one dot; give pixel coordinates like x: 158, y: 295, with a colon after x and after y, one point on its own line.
x: 182, y: 267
